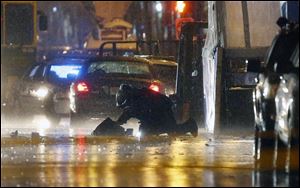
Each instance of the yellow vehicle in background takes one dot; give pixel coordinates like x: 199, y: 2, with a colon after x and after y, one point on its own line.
x: 19, y: 38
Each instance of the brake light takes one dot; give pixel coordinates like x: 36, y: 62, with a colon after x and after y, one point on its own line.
x: 154, y: 87
x: 82, y: 87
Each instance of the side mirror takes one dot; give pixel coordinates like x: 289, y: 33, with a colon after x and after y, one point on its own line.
x: 43, y: 23
x: 254, y: 65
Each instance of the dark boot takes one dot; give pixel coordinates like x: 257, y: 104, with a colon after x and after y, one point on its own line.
x: 190, y: 126
x: 193, y: 127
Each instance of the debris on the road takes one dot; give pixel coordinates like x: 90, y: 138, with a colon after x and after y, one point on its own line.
x: 210, y: 140
x: 35, y: 135
x: 108, y: 128
x: 14, y: 134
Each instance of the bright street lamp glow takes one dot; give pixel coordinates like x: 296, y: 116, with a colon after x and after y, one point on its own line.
x: 158, y: 7
x: 180, y: 6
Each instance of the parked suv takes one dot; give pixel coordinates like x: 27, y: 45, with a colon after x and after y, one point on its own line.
x: 44, y: 89
x: 277, y: 63
x: 92, y: 94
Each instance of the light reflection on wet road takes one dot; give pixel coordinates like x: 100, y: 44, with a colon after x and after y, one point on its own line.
x: 119, y: 162
x: 84, y: 160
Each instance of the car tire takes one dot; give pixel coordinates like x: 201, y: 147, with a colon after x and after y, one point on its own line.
x: 255, y: 149
x: 18, y: 115
x: 281, y: 154
x: 292, y: 162
x: 292, y: 157
x: 16, y: 111
x: 265, y: 150
x: 54, y: 118
x: 76, y: 120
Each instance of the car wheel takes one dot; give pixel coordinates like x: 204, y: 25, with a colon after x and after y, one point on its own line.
x: 265, y: 150
x: 256, y: 134
x: 76, y: 120
x: 15, y: 112
x: 281, y: 153
x: 54, y: 118
x: 18, y: 114
x: 292, y: 162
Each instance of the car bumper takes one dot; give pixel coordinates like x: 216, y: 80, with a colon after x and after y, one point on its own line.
x: 95, y: 108
x: 61, y: 106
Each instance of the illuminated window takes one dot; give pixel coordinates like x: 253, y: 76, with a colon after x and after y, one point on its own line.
x: 62, y: 71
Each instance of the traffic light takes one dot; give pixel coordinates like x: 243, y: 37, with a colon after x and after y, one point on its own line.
x: 180, y: 5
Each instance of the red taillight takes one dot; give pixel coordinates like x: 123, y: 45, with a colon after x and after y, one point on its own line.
x: 82, y: 87
x: 154, y: 86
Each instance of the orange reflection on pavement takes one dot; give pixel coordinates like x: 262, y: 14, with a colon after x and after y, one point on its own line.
x: 176, y: 174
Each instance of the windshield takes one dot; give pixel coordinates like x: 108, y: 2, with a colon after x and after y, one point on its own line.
x: 120, y: 67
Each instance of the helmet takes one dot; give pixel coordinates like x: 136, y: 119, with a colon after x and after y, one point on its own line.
x: 122, y: 95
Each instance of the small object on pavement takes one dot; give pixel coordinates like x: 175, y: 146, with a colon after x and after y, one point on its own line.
x: 108, y: 128
x: 35, y: 135
x: 14, y: 134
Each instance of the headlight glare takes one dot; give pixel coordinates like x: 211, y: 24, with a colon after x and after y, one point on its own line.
x: 41, y: 92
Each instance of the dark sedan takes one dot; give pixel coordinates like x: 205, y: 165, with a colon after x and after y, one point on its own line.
x: 92, y: 95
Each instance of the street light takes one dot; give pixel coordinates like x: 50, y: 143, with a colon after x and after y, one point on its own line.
x: 180, y: 5
x: 54, y: 9
x: 158, y: 7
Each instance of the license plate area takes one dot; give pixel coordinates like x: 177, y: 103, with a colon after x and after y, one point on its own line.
x: 110, y: 91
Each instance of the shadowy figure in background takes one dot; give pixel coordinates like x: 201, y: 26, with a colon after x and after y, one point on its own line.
x: 153, y: 109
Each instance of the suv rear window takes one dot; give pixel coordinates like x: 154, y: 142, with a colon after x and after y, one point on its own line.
x: 63, y: 73
x: 120, y: 67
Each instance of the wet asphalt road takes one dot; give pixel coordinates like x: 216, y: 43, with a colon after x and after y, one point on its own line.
x: 62, y: 156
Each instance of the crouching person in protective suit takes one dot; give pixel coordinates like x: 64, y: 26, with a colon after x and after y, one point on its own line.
x: 153, y: 109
